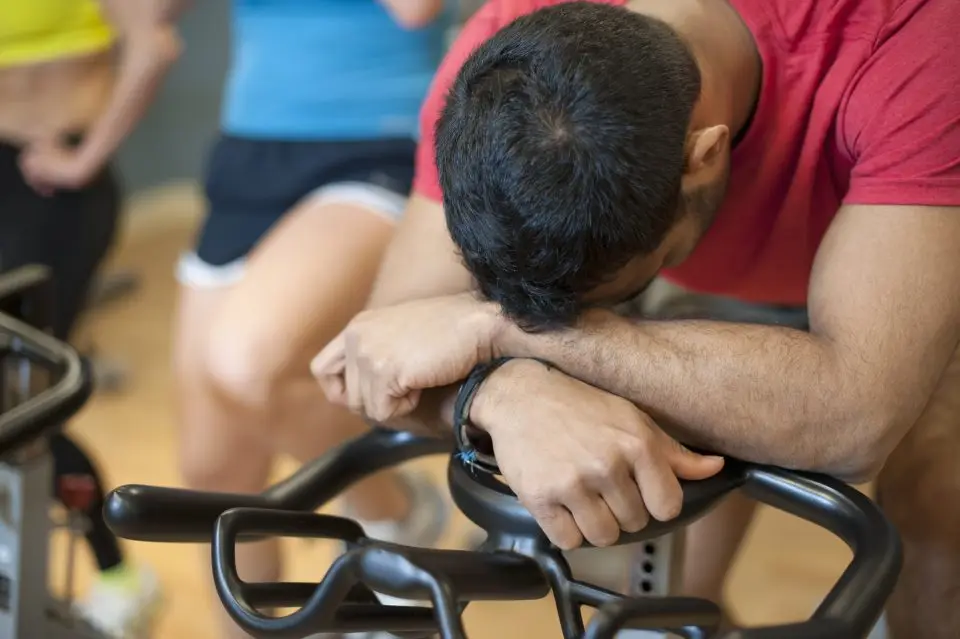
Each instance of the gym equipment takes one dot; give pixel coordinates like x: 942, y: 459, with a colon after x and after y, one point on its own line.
x: 43, y: 382
x: 516, y: 562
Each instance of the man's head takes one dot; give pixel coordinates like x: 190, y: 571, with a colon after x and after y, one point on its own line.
x: 570, y: 170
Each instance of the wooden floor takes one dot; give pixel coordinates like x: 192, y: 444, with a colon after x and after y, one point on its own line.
x: 786, y: 569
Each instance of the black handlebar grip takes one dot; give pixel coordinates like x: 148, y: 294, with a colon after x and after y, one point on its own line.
x: 175, y: 515
x: 148, y: 513
x: 491, y: 505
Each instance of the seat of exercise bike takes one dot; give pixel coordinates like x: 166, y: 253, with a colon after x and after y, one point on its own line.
x: 492, y: 506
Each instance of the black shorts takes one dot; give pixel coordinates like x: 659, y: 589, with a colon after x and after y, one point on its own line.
x: 70, y: 232
x: 253, y: 183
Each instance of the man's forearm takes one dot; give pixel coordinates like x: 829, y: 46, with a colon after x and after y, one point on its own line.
x: 762, y: 393
x: 144, y: 60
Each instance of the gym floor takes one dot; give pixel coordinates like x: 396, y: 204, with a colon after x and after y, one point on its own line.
x: 787, y: 565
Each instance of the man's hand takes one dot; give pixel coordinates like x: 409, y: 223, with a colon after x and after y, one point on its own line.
x: 585, y: 463
x: 50, y: 165
x: 383, y: 359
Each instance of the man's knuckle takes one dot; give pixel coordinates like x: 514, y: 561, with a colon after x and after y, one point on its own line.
x: 646, y: 439
x: 597, y: 470
x: 633, y: 449
x: 538, y: 500
x: 567, y: 540
x: 571, y: 483
x: 404, y: 380
x: 379, y: 365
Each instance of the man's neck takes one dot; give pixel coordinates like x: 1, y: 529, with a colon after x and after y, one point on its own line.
x: 730, y: 65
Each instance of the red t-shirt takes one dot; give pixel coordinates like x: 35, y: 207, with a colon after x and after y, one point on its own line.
x: 860, y: 105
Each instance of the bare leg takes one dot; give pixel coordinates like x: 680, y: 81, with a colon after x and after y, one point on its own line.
x: 711, y: 547
x: 302, y: 284
x: 216, y: 452
x: 243, y: 360
x: 919, y: 488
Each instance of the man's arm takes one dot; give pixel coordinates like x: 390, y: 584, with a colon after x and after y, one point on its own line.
x: 149, y: 45
x: 421, y: 262
x: 884, y: 309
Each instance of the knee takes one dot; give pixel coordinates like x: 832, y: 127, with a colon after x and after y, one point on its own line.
x: 242, y: 367
x: 222, y: 393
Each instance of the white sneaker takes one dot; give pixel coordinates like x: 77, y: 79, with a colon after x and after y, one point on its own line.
x: 426, y: 522
x: 123, y: 609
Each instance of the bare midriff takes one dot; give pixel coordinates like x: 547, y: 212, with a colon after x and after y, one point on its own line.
x: 53, y: 98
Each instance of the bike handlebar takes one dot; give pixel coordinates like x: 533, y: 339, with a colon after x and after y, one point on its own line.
x: 41, y: 414
x: 856, y: 601
x: 177, y: 515
x: 343, y: 602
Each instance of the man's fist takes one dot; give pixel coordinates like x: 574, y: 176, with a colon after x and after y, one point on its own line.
x: 585, y: 463
x: 382, y: 360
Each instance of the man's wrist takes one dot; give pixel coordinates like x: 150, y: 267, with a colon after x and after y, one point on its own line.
x: 496, y: 389
x: 486, y: 323
x: 508, y: 339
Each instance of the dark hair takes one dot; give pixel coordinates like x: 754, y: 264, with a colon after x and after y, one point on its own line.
x: 560, y: 152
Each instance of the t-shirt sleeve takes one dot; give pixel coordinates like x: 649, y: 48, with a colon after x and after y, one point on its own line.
x: 901, y: 123
x: 480, y: 27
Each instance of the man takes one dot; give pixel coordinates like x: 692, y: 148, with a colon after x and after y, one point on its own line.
x: 791, y: 168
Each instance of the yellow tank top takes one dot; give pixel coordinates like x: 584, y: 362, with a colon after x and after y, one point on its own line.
x: 41, y: 30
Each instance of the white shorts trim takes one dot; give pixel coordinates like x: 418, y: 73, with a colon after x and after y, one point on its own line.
x: 195, y: 273
x: 377, y: 199
x: 192, y: 271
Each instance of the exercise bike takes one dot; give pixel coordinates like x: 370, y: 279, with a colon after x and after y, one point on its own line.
x: 43, y: 382
x: 516, y: 562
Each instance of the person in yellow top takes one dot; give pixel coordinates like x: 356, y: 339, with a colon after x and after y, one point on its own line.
x: 75, y: 78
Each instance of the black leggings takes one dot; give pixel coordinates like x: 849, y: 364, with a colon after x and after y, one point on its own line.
x: 70, y: 232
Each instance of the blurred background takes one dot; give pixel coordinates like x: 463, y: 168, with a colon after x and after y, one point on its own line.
x: 787, y: 565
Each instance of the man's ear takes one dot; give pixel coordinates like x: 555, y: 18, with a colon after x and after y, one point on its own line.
x: 705, y: 147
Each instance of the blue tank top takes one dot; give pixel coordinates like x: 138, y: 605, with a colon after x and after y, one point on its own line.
x: 327, y: 69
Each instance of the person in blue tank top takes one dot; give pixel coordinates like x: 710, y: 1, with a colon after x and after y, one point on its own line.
x: 304, y: 185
